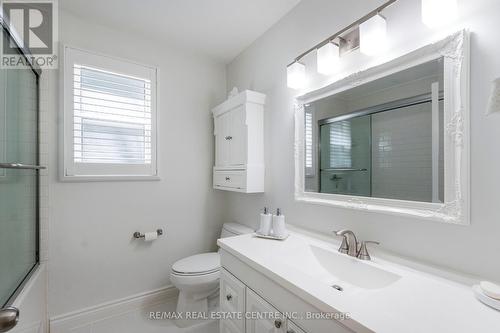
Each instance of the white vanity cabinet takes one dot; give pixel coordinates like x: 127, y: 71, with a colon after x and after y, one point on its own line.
x: 246, y: 291
x: 257, y: 314
x: 239, y: 143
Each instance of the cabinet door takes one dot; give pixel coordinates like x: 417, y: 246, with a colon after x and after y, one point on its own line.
x: 292, y: 328
x: 262, y: 317
x: 227, y: 326
x: 232, y: 298
x: 222, y: 139
x: 238, y: 134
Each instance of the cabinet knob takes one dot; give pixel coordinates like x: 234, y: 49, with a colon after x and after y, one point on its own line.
x: 277, y: 323
x: 228, y: 137
x: 229, y: 297
x: 228, y: 178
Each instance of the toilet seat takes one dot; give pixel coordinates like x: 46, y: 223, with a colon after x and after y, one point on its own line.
x: 196, y: 282
x: 195, y: 274
x: 199, y: 264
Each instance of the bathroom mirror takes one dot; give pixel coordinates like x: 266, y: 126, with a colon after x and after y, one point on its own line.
x: 381, y: 139
x: 392, y: 138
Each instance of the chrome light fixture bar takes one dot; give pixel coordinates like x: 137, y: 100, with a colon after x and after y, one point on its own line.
x: 346, y: 39
x: 368, y: 34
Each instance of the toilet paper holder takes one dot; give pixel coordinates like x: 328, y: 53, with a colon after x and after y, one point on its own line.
x: 138, y: 235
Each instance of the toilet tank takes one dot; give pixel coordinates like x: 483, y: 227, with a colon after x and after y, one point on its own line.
x: 234, y: 229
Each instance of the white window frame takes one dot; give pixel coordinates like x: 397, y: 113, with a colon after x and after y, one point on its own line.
x: 72, y: 171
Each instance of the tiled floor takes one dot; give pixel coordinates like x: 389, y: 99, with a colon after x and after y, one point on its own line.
x: 139, y: 322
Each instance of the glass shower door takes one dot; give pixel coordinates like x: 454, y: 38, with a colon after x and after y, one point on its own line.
x: 18, y: 179
x: 345, y: 157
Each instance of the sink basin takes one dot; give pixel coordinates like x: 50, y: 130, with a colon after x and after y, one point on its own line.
x: 342, y: 268
x: 339, y: 270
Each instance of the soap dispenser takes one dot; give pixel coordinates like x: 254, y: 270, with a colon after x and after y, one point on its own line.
x: 279, y: 227
x: 265, y: 223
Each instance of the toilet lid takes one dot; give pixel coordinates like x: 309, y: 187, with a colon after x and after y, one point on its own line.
x: 199, y: 263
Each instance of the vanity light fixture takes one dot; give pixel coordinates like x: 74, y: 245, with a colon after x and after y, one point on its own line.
x: 296, y: 75
x: 373, y: 35
x: 373, y: 28
x: 328, y: 58
x: 436, y: 13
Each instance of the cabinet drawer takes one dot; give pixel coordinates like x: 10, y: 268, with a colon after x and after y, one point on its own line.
x: 232, y: 298
x: 232, y: 179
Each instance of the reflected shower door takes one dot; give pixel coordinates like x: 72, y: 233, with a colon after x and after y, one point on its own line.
x: 345, y: 157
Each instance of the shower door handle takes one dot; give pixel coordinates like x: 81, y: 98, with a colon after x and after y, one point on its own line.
x: 21, y: 166
x: 9, y: 317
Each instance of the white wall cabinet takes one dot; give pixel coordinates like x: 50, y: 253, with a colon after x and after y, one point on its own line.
x: 239, y: 143
x: 257, y: 315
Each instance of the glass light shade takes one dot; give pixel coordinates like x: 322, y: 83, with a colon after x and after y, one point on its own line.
x: 437, y: 13
x: 327, y: 58
x: 296, y: 75
x: 373, y: 35
x: 494, y: 101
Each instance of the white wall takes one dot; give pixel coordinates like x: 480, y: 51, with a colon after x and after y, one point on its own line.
x: 262, y: 67
x: 93, y: 258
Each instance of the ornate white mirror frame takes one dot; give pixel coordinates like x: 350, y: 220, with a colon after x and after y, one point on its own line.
x: 455, y: 209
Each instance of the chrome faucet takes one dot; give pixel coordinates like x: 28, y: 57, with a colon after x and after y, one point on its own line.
x: 363, y: 252
x: 351, y: 247
x: 349, y: 242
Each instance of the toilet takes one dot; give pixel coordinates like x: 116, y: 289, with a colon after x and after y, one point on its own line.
x: 197, y: 278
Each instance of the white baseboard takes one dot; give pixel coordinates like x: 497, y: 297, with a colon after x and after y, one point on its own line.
x: 73, y: 321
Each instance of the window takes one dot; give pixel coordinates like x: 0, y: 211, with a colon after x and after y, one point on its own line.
x: 109, y: 117
x: 309, y: 143
x: 340, y: 144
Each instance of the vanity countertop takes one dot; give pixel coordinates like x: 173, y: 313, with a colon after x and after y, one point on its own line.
x: 416, y: 301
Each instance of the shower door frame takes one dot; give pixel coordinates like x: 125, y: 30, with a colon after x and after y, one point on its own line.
x: 37, y: 71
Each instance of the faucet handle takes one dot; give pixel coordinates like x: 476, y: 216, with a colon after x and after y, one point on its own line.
x: 363, y: 251
x: 344, y: 248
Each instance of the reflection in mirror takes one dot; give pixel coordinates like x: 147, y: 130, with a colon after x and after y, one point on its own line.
x: 381, y: 139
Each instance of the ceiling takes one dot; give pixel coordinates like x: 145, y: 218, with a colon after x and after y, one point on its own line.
x: 220, y: 29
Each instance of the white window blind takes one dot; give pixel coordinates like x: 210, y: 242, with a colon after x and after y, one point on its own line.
x: 110, y: 116
x: 340, y: 144
x: 309, y: 143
